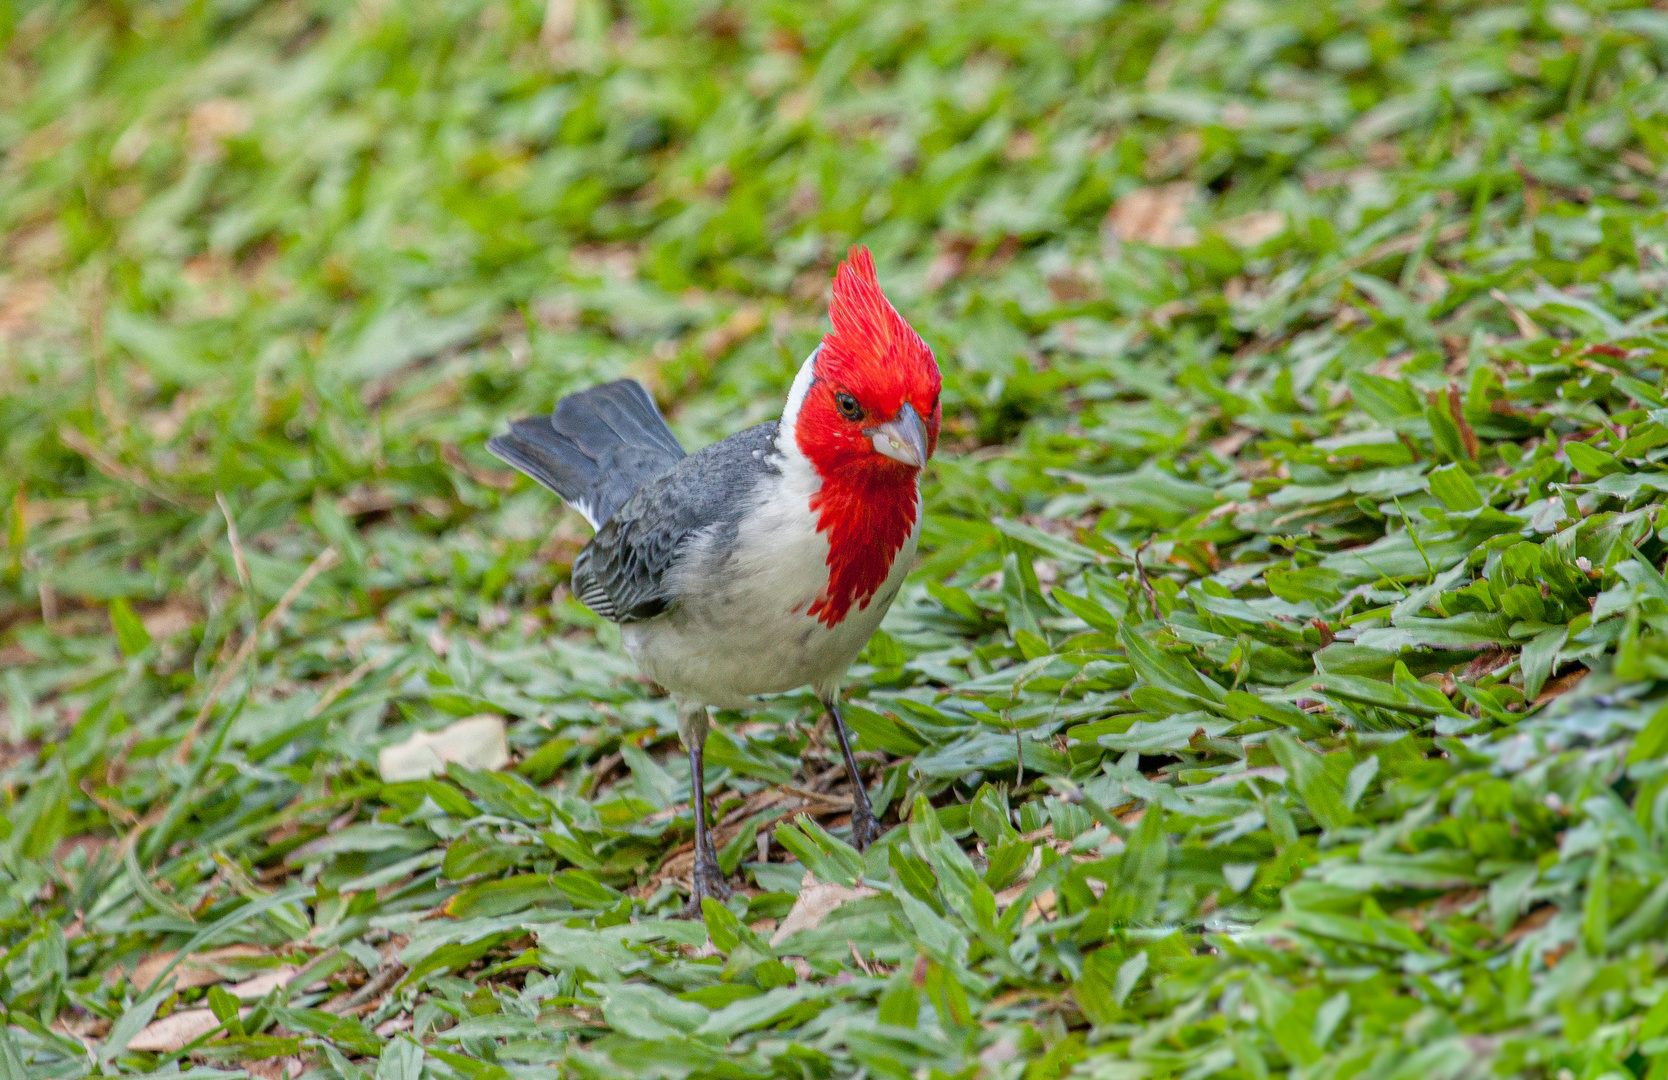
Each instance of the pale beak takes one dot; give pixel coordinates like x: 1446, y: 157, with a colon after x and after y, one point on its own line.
x: 902, y: 438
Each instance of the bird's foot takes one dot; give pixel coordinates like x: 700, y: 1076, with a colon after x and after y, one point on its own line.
x: 706, y: 880
x: 865, y: 830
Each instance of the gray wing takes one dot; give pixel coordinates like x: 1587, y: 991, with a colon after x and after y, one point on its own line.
x: 596, y: 449
x: 623, y: 573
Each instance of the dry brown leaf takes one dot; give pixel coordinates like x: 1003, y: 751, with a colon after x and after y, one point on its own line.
x: 388, y: 1028
x: 87, y: 1029
x: 175, y: 1030
x: 214, y: 121
x: 1022, y: 146
x: 1390, y: 367
x: 1526, y: 327
x: 38, y: 248
x: 264, y: 983
x: 1455, y: 901
x: 1529, y: 924
x: 816, y: 900
x: 1153, y: 215
x: 15, y: 656
x: 476, y: 742
x: 1174, y: 155
x: 202, y: 969
x: 1041, y: 908
x: 949, y: 261
x: 559, y: 19
x: 1486, y: 661
x: 1253, y: 229
x: 1456, y: 409
x: 178, y: 614
x: 279, y: 1068
x: 1232, y: 443
x: 1563, y: 684
x: 92, y: 845
x: 365, y: 499
x: 20, y: 301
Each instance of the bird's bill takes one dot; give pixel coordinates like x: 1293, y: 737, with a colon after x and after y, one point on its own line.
x: 902, y: 438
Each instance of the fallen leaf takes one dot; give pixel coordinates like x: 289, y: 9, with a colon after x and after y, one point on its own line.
x: 1232, y: 443
x: 1174, y: 155
x: 998, y: 1053
x: 388, y: 1028
x: 816, y: 900
x: 1253, y: 229
x: 178, y: 614
x: 175, y: 1030
x: 1563, y: 684
x: 949, y: 261
x: 88, y: 1029
x: 1486, y: 661
x: 262, y: 984
x: 1040, y: 908
x: 365, y: 499
x: 1457, y: 900
x: 92, y: 845
x: 279, y: 1068
x: 202, y: 969
x: 559, y: 19
x: 476, y: 742
x: 1529, y: 924
x: 1153, y: 215
x: 1526, y: 327
x: 216, y: 120
x: 19, y: 303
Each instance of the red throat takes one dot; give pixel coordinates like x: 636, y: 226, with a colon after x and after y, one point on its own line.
x: 867, y: 504
x: 867, y: 520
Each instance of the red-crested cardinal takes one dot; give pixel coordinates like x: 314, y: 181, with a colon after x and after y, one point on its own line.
x: 764, y: 562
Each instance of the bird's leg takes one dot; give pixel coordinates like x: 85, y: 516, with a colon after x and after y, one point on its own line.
x: 707, y: 879
x: 865, y: 830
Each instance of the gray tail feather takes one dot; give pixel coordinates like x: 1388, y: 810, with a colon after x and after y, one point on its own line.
x: 596, y: 449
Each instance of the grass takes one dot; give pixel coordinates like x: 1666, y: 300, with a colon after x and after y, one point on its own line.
x: 1278, y: 693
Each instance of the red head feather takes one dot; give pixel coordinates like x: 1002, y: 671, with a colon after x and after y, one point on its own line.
x: 867, y: 503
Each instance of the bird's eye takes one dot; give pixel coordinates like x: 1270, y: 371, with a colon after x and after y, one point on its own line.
x: 848, y: 406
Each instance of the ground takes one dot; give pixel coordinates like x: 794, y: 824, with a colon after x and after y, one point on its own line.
x: 1277, y: 692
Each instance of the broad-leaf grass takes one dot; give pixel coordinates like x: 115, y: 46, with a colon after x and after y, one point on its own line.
x: 1277, y: 694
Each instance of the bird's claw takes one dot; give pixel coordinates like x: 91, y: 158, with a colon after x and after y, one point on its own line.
x: 865, y: 830
x: 705, y: 880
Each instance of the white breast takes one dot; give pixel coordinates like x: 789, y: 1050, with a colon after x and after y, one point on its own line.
x: 740, y: 627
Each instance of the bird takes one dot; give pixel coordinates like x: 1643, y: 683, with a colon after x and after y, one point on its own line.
x: 763, y: 563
